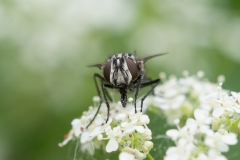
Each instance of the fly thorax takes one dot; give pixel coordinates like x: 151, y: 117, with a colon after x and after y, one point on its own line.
x: 120, y: 73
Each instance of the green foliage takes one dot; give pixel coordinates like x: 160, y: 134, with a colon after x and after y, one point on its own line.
x: 45, y: 48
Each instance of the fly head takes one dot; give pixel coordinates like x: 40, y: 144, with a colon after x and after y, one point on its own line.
x: 121, y: 69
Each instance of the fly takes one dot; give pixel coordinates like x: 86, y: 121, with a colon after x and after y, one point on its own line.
x: 124, y: 72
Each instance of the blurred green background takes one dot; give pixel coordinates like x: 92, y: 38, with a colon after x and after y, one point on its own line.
x: 45, y: 47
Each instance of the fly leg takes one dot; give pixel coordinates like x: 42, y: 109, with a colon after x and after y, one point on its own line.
x: 139, y: 81
x: 153, y: 84
x: 104, y: 91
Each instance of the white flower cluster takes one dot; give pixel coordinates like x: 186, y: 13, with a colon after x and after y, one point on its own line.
x: 178, y: 98
x: 197, y: 141
x: 226, y: 111
x: 125, y: 131
x: 196, y: 105
x: 206, y: 116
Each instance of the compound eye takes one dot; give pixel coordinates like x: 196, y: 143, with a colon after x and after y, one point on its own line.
x: 107, y: 71
x: 132, y: 67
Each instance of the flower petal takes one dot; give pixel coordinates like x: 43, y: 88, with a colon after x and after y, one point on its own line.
x: 234, y: 94
x: 230, y: 139
x: 112, y: 145
x: 84, y: 137
x: 217, y: 112
x: 140, y: 129
x: 200, y: 114
x: 96, y: 132
x: 222, y: 147
x: 126, y: 156
x: 173, y: 133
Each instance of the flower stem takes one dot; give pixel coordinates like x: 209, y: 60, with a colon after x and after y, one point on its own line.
x: 150, y: 157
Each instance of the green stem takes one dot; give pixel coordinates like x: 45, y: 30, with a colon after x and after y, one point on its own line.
x: 150, y: 157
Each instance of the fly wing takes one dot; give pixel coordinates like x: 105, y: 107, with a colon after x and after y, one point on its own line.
x: 100, y: 66
x: 152, y: 56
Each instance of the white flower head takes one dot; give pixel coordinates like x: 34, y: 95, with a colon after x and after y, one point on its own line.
x: 190, y: 103
x: 178, y: 98
x: 122, y: 127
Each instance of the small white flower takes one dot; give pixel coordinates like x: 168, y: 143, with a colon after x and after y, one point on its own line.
x: 219, y: 141
x: 130, y: 99
x: 87, y: 147
x: 78, y: 126
x: 88, y: 136
x: 217, y: 112
x: 201, y: 121
x: 176, y: 121
x: 100, y: 137
x: 236, y: 96
x: 230, y: 138
x: 168, y: 89
x: 183, y: 132
x: 144, y: 119
x: 181, y: 152
x: 96, y: 99
x: 221, y: 78
x: 162, y: 75
x: 185, y: 73
x: 126, y: 156
x: 211, y: 155
x: 112, y: 145
x: 200, y: 74
x: 172, y: 103
x: 85, y: 137
x: 140, y: 155
x: 225, y: 104
x: 173, y: 133
x: 148, y: 144
x: 69, y: 137
x: 130, y: 127
x: 222, y: 131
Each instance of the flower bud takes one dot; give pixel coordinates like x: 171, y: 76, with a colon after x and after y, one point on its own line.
x: 121, y: 142
x: 84, y: 119
x: 130, y: 99
x: 221, y: 78
x: 96, y: 99
x: 200, y: 74
x: 162, y: 75
x: 148, y: 144
x: 145, y: 149
x: 100, y: 137
x: 176, y: 121
x: 147, y: 138
x: 130, y: 150
x: 148, y: 132
x: 140, y: 155
x: 144, y: 119
x: 185, y: 73
x: 222, y: 131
